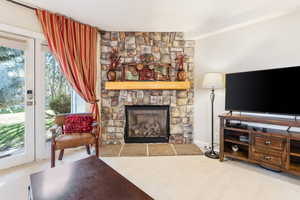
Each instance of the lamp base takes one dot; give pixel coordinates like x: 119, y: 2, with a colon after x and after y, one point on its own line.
x: 211, y: 154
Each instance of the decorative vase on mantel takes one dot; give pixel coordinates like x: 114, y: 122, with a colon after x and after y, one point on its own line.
x: 181, y: 74
x: 114, y: 63
x: 111, y: 75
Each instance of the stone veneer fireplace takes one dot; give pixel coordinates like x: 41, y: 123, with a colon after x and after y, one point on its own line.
x: 147, y: 124
x: 164, y: 47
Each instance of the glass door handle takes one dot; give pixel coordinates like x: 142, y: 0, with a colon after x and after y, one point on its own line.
x: 30, y: 103
x: 30, y: 99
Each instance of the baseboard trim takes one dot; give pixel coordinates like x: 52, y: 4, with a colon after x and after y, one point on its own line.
x: 204, y: 146
x: 201, y: 144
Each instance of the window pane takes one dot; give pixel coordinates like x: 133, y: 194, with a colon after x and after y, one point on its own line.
x: 12, y: 110
x: 78, y: 104
x: 58, y: 92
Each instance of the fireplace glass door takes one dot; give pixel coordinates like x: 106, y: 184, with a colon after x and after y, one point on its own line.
x: 147, y: 123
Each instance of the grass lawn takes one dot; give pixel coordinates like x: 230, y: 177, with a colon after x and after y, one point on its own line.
x: 12, y: 135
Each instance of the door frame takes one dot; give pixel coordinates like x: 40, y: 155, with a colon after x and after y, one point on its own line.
x: 38, y: 141
x: 42, y: 151
x: 29, y: 125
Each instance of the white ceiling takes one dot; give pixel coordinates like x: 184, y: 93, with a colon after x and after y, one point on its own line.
x: 197, y: 17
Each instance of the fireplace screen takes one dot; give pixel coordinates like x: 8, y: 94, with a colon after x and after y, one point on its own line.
x: 147, y: 123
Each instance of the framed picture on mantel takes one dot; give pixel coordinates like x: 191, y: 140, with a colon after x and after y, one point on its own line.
x: 146, y: 72
x: 130, y: 73
x: 162, y: 72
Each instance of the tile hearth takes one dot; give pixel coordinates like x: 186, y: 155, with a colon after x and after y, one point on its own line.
x: 144, y: 150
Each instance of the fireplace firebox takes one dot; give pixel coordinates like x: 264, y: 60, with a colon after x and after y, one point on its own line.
x: 147, y: 124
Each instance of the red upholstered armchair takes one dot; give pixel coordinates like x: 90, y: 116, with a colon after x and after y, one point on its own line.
x: 74, y: 130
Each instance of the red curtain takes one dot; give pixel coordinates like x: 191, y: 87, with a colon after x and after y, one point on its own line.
x: 75, y: 47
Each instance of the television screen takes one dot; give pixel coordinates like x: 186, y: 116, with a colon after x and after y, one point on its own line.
x: 267, y: 91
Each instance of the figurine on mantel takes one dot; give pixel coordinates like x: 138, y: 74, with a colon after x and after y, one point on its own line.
x: 114, y: 63
x: 181, y: 74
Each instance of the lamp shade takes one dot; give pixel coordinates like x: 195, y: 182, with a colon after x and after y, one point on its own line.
x: 213, y: 81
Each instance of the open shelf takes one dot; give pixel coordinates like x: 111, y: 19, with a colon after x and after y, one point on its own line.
x: 237, y: 129
x: 295, y: 164
x: 233, y: 140
x: 295, y: 136
x: 295, y: 148
x: 237, y: 155
x: 241, y: 154
x: 295, y: 167
x: 233, y: 135
x: 295, y: 153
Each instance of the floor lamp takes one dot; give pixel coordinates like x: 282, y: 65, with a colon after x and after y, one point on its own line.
x: 213, y: 81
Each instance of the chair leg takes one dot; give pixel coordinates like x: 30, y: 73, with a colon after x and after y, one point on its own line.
x: 97, y: 148
x: 88, y: 149
x: 61, y: 154
x: 52, y: 156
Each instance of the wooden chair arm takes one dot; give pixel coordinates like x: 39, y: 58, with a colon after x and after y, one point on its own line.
x: 96, y: 129
x: 55, y: 130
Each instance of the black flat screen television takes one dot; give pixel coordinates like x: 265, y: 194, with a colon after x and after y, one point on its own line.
x: 275, y: 91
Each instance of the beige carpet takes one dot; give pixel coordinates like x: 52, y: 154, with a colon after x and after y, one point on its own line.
x: 174, y: 178
x: 132, y: 150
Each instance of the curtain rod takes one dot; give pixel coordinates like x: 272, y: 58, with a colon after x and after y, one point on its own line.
x: 21, y: 4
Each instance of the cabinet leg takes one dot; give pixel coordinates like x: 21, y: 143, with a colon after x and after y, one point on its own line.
x: 221, y: 157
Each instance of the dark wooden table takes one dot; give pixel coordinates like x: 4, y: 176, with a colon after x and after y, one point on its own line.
x: 86, y: 179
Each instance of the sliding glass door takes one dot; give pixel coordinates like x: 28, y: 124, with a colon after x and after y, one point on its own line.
x: 16, y: 100
x: 54, y: 96
x: 32, y: 91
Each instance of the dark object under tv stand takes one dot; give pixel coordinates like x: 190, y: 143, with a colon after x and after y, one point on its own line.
x: 274, y: 149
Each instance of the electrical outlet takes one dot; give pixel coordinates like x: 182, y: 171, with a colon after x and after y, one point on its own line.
x: 207, y: 147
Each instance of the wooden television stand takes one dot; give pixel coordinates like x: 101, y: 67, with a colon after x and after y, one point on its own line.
x: 272, y: 148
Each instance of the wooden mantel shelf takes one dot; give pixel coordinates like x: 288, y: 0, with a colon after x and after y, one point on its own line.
x: 147, y: 85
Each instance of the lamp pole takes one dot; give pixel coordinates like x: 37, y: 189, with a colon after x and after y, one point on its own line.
x: 212, y: 153
x: 212, y: 98
x: 212, y: 81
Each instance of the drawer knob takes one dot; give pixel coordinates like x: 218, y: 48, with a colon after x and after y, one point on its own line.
x: 267, y: 158
x: 268, y: 142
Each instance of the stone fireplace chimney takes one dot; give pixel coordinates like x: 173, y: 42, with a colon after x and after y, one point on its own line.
x: 164, y: 47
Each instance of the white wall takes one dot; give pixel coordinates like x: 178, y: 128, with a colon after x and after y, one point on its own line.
x: 270, y: 44
x: 17, y: 16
